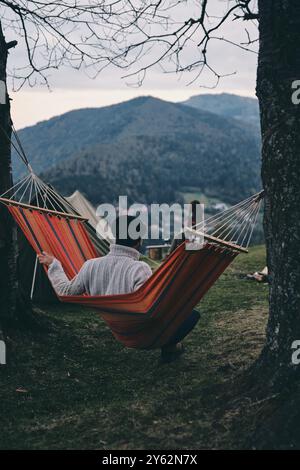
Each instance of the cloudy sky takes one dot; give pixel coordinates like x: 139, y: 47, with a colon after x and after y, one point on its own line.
x: 73, y: 89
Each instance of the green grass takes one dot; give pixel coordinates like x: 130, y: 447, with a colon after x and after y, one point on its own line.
x: 79, y: 388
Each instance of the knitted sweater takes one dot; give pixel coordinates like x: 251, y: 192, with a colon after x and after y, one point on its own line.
x: 119, y: 272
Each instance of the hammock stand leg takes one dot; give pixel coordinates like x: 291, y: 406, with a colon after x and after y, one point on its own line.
x: 33, y: 278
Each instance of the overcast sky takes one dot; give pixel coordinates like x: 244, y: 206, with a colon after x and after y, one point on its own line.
x: 73, y: 89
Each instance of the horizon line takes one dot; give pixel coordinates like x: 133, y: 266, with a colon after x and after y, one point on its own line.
x: 144, y: 95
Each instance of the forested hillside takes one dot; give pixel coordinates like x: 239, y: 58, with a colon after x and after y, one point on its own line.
x: 146, y: 148
x: 225, y: 104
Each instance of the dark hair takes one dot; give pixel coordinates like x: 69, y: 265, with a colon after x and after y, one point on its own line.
x: 122, y: 223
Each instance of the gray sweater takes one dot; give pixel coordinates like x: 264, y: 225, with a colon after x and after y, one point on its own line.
x: 119, y: 272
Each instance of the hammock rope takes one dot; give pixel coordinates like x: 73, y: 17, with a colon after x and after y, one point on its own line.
x: 149, y: 317
x: 234, y: 225
x: 21, y: 151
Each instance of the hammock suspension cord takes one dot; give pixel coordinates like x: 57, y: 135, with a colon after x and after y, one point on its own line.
x: 149, y: 317
x: 234, y: 225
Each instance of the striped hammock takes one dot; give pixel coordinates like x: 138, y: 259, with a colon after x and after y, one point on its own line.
x: 150, y: 316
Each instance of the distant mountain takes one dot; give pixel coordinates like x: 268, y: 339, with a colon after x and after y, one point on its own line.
x: 146, y: 148
x: 224, y: 104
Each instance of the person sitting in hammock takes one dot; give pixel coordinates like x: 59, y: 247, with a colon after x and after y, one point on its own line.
x: 119, y: 272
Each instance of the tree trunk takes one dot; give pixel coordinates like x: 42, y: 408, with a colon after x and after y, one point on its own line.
x: 8, y: 279
x: 278, y: 67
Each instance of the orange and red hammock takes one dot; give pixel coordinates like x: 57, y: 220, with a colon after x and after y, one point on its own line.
x: 148, y: 317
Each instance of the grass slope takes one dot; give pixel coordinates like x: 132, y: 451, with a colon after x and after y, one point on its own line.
x: 72, y: 386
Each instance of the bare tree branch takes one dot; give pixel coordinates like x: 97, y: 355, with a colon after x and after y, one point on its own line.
x: 133, y: 35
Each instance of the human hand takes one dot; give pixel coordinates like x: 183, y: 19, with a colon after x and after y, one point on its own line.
x: 45, y: 258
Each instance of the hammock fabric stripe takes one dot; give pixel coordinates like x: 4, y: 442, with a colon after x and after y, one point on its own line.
x: 76, y: 241
x: 148, y: 317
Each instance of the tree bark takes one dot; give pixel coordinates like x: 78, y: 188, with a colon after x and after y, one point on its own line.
x: 278, y: 67
x: 8, y: 245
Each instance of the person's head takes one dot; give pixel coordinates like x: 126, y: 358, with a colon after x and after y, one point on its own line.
x: 194, y: 205
x: 122, y: 231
